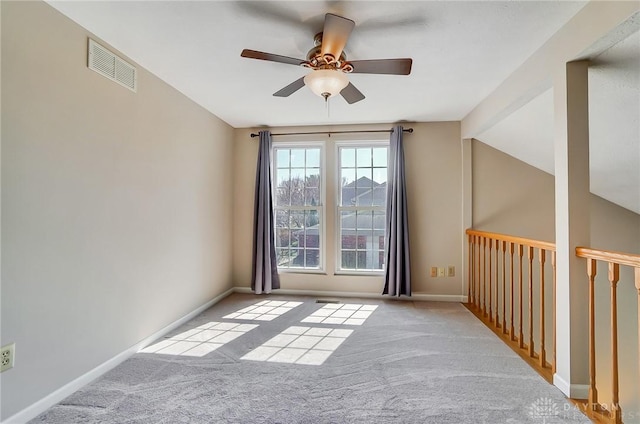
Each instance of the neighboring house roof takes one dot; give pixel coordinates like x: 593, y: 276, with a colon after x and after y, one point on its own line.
x: 352, y: 226
x: 364, y: 192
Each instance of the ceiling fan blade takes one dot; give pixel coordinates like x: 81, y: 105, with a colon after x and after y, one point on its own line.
x: 253, y: 54
x: 290, y: 89
x: 335, y: 34
x: 351, y: 94
x: 382, y: 66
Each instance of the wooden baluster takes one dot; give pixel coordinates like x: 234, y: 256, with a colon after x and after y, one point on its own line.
x: 541, y: 259
x: 470, y: 277
x: 637, y: 272
x: 511, y: 326
x: 476, y: 271
x: 593, y: 392
x: 504, y: 284
x: 484, y: 276
x: 553, y: 312
x: 490, y: 279
x: 520, y: 335
x: 614, y: 276
x: 497, y: 321
x: 530, y: 259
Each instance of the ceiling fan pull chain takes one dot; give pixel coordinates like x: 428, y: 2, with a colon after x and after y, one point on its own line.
x: 326, y: 102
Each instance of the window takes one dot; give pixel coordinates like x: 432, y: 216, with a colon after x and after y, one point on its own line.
x: 298, y: 206
x: 362, y: 206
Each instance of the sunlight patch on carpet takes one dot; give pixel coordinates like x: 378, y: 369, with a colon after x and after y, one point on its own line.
x: 300, y: 345
x: 201, y: 340
x: 348, y: 314
x: 266, y: 310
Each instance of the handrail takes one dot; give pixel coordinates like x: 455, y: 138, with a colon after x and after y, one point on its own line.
x: 513, y: 239
x: 628, y: 259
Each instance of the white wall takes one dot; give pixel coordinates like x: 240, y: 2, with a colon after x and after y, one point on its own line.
x: 116, y: 218
x: 434, y: 184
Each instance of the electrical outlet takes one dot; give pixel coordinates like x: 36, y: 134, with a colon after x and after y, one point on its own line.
x: 434, y: 271
x: 451, y: 271
x: 440, y: 272
x: 7, y: 357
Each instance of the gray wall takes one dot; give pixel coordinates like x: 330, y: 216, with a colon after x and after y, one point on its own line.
x: 116, y: 218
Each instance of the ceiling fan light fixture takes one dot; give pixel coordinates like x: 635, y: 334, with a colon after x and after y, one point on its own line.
x: 326, y: 82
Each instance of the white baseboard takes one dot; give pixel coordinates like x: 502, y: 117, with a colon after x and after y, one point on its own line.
x: 48, y: 401
x: 318, y: 293
x: 573, y: 391
x: 439, y: 297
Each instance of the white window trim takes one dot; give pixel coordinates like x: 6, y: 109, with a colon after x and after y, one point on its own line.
x: 321, y: 207
x: 338, y: 190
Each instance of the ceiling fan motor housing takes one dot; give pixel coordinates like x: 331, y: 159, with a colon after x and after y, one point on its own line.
x: 316, y: 60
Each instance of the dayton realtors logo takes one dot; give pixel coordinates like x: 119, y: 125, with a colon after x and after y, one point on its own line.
x: 543, y: 409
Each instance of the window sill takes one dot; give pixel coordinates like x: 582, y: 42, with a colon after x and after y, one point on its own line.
x: 360, y: 273
x: 302, y: 271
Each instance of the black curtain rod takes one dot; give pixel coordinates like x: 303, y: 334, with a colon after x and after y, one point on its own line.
x: 409, y: 130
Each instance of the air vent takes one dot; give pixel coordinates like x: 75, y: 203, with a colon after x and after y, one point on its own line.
x: 327, y: 301
x: 111, y: 66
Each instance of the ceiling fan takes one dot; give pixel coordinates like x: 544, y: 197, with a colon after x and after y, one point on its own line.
x: 329, y: 63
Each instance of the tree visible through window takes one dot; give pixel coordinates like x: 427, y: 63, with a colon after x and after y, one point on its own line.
x: 298, y: 203
x: 362, y: 206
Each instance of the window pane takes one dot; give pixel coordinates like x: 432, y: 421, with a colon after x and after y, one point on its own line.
x: 296, y: 258
x: 312, y: 177
x: 297, y: 219
x: 282, y: 237
x: 348, y: 259
x: 361, y: 262
x: 283, y: 257
x: 379, y: 222
x: 348, y: 176
x: 379, y: 197
x: 348, y: 222
x: 282, y: 219
x: 348, y: 241
x: 312, y: 219
x: 362, y: 241
x: 380, y: 175
x: 348, y: 194
x: 312, y: 196
x: 282, y: 196
x: 282, y: 176
x: 380, y: 156
x: 296, y: 186
x: 313, y: 158
x: 312, y: 257
x: 347, y: 158
x: 364, y: 177
x: 297, y: 158
x: 364, y: 157
x: 282, y: 158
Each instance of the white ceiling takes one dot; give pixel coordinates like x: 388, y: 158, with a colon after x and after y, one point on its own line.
x: 461, y: 50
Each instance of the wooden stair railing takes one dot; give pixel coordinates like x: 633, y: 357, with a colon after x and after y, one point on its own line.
x: 489, y: 256
x: 614, y: 260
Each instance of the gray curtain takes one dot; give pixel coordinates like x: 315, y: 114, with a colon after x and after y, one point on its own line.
x: 265, y: 269
x: 397, y: 270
